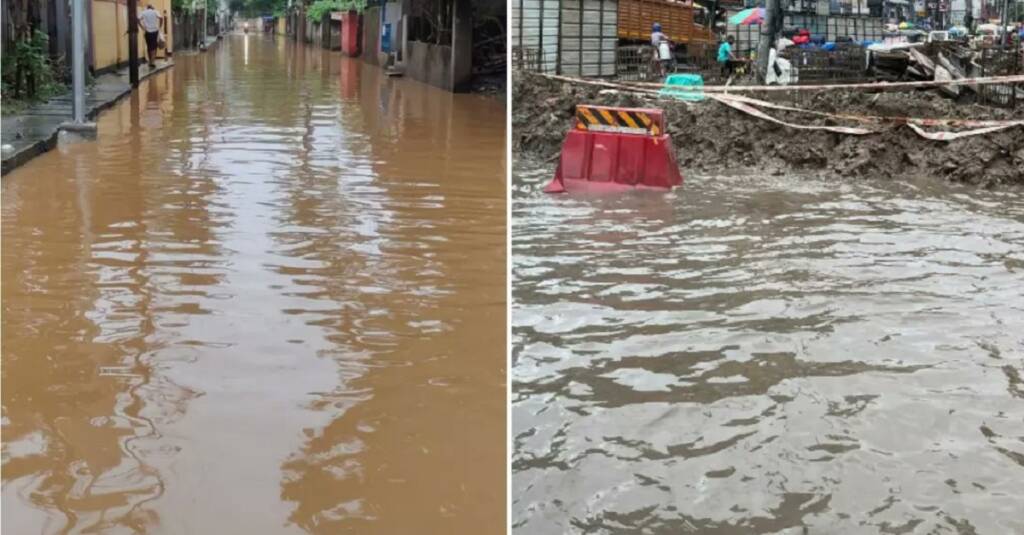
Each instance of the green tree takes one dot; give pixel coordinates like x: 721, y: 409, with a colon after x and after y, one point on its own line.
x: 319, y: 8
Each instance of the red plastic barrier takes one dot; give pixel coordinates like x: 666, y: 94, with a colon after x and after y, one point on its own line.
x: 616, y: 148
x: 351, y: 23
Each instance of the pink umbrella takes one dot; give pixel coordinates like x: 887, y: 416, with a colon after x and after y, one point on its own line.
x: 754, y: 15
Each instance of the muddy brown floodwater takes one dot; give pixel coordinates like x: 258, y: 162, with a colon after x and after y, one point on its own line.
x: 269, y: 299
x: 767, y: 355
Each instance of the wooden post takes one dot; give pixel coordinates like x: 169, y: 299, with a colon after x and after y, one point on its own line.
x: 133, y: 43
x: 462, y: 44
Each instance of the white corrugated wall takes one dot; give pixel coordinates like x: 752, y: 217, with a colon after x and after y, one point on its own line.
x: 573, y: 37
x: 535, y: 28
x: 589, y: 37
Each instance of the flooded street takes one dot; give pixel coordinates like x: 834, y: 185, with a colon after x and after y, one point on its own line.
x: 269, y: 299
x: 763, y: 355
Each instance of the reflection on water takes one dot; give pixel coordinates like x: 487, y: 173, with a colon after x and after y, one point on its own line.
x: 269, y: 299
x: 750, y: 355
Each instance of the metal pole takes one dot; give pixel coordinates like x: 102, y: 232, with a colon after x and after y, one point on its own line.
x: 768, y: 34
x: 1003, y: 19
x: 78, y: 61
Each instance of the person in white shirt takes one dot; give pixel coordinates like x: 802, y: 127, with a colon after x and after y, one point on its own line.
x: 780, y: 71
x: 149, y: 21
x: 662, y: 48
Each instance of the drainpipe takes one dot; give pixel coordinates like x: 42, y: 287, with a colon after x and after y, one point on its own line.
x: 405, y: 37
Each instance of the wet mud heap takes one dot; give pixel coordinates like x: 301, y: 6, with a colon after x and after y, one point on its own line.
x: 711, y: 137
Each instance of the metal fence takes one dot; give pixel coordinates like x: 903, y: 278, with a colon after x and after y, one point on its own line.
x: 858, y: 28
x: 999, y: 62
x: 533, y: 59
x: 633, y: 62
x: 827, y: 28
x: 747, y: 37
x: 845, y: 64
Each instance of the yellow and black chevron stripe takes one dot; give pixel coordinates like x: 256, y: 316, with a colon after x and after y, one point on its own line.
x: 622, y: 120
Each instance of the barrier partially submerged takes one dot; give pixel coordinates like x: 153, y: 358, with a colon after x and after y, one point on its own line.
x: 616, y: 148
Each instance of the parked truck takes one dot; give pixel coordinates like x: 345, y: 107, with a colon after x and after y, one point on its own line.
x: 684, y: 22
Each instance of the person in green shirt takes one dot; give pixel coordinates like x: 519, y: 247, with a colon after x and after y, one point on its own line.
x: 725, y: 56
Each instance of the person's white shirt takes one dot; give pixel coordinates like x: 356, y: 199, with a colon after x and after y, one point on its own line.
x: 660, y: 42
x: 150, y: 20
x: 784, y: 76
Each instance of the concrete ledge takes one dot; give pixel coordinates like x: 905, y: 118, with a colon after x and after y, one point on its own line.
x: 429, y: 63
x: 84, y: 129
x: 204, y: 47
x: 35, y: 131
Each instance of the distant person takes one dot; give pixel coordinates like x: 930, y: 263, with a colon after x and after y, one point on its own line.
x: 657, y: 36
x: 779, y: 69
x: 149, y: 21
x: 662, y: 50
x: 969, y: 23
x: 725, y: 56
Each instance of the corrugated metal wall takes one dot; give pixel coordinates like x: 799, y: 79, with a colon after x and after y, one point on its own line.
x: 572, y: 37
x: 589, y: 37
x: 535, y: 33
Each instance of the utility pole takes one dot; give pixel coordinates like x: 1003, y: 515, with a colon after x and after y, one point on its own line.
x: 78, y: 124
x: 1003, y: 21
x: 133, y: 42
x: 78, y: 61
x: 768, y: 32
x: 201, y: 29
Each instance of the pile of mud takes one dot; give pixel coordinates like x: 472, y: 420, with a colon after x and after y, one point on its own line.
x: 711, y: 137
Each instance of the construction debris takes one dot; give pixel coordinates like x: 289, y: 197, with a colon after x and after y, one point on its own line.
x: 715, y: 138
x: 949, y: 60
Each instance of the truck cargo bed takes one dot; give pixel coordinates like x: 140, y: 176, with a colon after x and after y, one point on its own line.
x: 676, y: 18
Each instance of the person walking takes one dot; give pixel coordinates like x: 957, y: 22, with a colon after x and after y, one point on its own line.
x: 149, y: 21
x: 726, y: 59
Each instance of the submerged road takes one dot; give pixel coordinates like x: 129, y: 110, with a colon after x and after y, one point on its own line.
x: 268, y: 299
x: 767, y: 355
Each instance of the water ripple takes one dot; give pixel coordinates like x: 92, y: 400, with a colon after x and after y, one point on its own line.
x: 758, y: 355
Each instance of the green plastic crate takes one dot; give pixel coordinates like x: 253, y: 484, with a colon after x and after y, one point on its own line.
x: 687, y: 80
